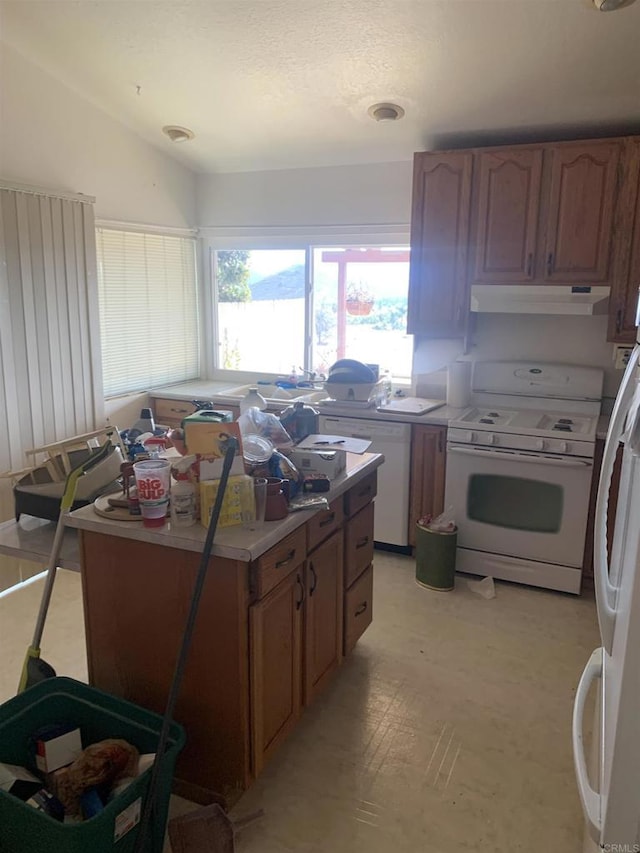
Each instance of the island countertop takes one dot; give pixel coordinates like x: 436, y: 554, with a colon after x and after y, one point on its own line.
x: 236, y: 543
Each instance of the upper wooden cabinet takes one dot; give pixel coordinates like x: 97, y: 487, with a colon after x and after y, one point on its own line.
x: 579, y: 221
x: 626, y: 282
x: 506, y: 214
x: 441, y: 206
x: 545, y: 214
x: 524, y: 214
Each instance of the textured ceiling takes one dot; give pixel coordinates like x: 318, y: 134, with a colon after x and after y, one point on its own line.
x: 273, y: 84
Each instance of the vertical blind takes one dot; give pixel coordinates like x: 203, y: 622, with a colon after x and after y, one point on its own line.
x: 148, y: 309
x: 50, y: 367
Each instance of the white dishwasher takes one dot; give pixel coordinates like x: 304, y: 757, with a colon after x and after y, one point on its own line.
x: 394, y: 442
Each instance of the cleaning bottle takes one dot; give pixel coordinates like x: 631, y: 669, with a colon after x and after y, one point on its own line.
x: 253, y: 399
x: 183, y: 494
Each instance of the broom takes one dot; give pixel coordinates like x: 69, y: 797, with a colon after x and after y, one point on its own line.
x: 35, y: 669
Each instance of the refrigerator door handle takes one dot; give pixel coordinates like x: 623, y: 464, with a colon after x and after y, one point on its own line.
x: 589, y: 798
x: 605, y: 590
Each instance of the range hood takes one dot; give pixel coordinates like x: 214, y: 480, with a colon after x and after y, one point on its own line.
x: 539, y: 299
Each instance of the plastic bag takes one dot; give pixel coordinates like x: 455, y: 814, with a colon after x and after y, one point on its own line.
x: 485, y: 588
x: 443, y: 523
x: 255, y: 422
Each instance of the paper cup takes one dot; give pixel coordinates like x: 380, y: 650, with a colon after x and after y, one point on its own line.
x: 153, y: 482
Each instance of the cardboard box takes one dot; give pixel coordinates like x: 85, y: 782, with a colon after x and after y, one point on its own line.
x: 57, y: 747
x: 208, y: 438
x: 331, y: 463
x: 238, y: 504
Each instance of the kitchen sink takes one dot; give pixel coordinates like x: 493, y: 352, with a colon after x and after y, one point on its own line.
x: 273, y: 393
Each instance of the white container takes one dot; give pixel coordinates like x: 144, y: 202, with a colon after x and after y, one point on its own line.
x: 458, y: 384
x: 253, y: 399
x: 183, y: 502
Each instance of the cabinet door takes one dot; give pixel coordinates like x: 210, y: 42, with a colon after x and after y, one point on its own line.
x: 507, y: 214
x: 582, y: 197
x: 626, y: 281
x: 358, y: 552
x: 428, y: 445
x: 358, y: 609
x: 438, y: 294
x: 323, y: 615
x: 276, y: 666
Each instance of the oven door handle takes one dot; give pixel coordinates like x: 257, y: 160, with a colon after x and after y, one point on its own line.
x: 505, y: 455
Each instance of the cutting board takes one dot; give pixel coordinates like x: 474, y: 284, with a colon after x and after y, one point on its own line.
x: 411, y: 405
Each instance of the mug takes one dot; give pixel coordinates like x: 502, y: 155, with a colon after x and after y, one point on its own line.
x: 277, y: 505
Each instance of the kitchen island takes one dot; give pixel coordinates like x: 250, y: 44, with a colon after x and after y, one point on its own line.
x: 281, y: 606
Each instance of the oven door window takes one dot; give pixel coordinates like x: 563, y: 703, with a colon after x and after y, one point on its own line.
x: 515, y: 502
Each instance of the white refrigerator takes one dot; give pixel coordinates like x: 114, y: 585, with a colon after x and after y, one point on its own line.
x: 611, y: 800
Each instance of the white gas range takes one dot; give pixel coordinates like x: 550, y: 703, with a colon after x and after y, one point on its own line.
x: 519, y: 468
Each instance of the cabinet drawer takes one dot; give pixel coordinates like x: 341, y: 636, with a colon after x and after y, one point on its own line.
x: 274, y: 566
x: 360, y: 495
x: 359, y: 544
x: 324, y: 524
x: 171, y: 410
x: 358, y: 609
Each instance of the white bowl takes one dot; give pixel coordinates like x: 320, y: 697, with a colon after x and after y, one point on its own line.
x: 350, y: 391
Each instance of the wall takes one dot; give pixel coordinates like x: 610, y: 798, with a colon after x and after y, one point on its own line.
x: 370, y: 194
x: 568, y: 340
x: 53, y: 138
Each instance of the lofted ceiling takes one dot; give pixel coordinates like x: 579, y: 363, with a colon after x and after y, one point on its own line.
x: 276, y: 84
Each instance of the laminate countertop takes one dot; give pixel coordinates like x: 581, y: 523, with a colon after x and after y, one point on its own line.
x: 215, y: 391
x: 236, y: 543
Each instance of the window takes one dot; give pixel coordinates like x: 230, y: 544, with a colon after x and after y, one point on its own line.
x: 278, y: 309
x: 148, y: 310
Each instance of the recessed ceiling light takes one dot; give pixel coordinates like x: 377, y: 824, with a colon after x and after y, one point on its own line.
x: 385, y: 112
x: 611, y: 5
x: 177, y: 133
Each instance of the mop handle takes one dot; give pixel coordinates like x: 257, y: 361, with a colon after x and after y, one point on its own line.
x: 232, y: 445
x: 68, y: 497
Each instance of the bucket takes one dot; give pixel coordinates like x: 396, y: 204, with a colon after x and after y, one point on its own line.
x: 436, y: 558
x: 23, y: 829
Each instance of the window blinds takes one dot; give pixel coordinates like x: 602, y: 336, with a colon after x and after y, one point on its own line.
x: 50, y: 372
x: 148, y: 309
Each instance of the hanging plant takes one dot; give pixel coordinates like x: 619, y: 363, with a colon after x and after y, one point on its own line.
x: 359, y: 299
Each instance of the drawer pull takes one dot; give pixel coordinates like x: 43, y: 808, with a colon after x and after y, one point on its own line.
x: 550, y: 264
x: 301, y: 599
x: 315, y: 580
x: 364, y: 540
x: 180, y: 411
x: 361, y: 608
x: 328, y: 520
x: 287, y: 559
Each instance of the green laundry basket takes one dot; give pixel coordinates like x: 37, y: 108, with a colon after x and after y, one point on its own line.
x: 23, y: 829
x: 436, y: 558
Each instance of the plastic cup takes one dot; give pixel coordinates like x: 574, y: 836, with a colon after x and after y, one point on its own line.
x: 153, y: 482
x: 260, y: 493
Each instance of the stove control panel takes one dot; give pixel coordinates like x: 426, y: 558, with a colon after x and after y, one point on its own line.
x: 531, y: 443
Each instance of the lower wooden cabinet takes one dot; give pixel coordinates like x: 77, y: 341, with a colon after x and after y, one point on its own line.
x: 323, y: 615
x: 358, y: 609
x: 275, y: 649
x: 426, y: 490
